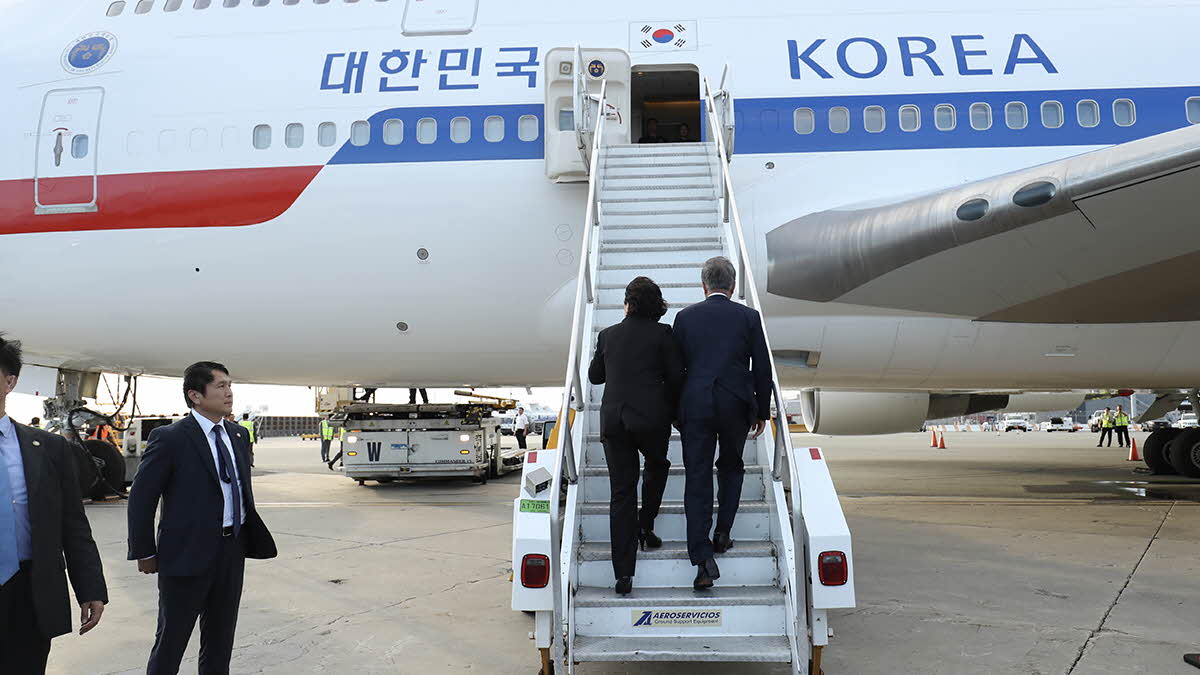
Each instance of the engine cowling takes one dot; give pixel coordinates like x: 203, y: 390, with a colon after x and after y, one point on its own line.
x: 863, y: 413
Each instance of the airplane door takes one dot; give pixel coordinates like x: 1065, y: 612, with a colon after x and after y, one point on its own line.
x: 569, y: 77
x: 65, y: 164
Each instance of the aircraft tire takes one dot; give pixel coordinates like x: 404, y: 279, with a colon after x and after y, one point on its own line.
x: 1184, y: 453
x: 1154, y: 451
x: 109, y: 464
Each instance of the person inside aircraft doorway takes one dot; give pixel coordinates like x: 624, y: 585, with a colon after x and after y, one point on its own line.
x: 1106, y: 427
x: 1121, y: 424
x: 685, y: 135
x: 651, y: 135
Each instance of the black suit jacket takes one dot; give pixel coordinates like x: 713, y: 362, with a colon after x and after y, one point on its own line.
x: 638, y: 362
x: 62, y: 538
x: 723, y: 348
x: 178, y: 468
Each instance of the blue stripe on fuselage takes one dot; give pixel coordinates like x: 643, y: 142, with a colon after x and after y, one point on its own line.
x: 765, y: 125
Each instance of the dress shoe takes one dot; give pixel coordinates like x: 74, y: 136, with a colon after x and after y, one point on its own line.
x: 647, y: 539
x: 721, y: 542
x: 624, y: 585
x: 706, y: 573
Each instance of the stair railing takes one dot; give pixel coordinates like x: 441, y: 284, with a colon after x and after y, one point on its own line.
x: 566, y: 464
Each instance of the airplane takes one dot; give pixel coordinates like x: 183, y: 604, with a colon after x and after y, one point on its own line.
x: 950, y: 209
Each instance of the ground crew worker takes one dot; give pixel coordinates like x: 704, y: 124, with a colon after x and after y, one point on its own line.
x: 249, y: 425
x: 1121, y: 424
x: 521, y: 427
x: 1106, y: 427
x: 326, y: 439
x: 36, y: 423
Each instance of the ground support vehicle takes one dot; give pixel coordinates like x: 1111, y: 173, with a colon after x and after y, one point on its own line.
x: 385, y: 442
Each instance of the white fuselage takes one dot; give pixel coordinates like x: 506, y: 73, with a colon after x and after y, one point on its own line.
x: 295, y: 264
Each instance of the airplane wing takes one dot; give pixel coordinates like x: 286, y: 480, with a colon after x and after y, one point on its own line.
x: 1110, y: 236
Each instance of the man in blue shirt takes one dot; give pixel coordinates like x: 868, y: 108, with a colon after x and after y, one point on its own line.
x: 41, y: 523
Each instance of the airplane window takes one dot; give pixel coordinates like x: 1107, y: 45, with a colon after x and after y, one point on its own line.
x: 198, y: 140
x: 1124, y: 112
x: 133, y: 143
x: 291, y: 2
x: 1035, y: 194
x: 231, y: 3
x: 566, y: 119
x: 350, y: 1
x: 981, y: 116
x: 202, y: 4
x: 79, y: 146
x: 166, y: 141
x: 262, y: 136
x: 1193, y: 110
x: 1016, y: 115
x: 293, y: 135
x: 973, y: 209
x: 116, y: 8
x: 460, y: 130
x: 1052, y: 114
x: 229, y: 138
x: 910, y: 118
x: 1088, y: 113
x: 804, y: 121
x: 493, y: 129
x: 143, y: 6
x: 172, y: 5
x: 874, y: 118
x: 426, y: 130
x: 527, y: 128
x: 320, y: 2
x: 261, y: 3
x: 326, y: 133
x: 945, y: 117
x: 839, y: 120
x: 393, y: 132
x: 360, y: 133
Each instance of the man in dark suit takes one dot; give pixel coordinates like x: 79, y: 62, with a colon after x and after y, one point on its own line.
x: 640, y: 363
x: 199, y: 467
x: 41, y: 523
x: 726, y: 397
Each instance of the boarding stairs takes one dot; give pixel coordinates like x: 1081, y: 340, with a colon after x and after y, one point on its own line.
x: 661, y: 210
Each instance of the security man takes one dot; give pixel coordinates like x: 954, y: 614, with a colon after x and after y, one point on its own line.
x: 1106, y: 427
x: 1121, y: 424
x: 326, y: 439
x: 249, y: 425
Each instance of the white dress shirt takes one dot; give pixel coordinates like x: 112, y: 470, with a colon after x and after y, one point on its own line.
x: 522, y: 423
x: 207, y: 426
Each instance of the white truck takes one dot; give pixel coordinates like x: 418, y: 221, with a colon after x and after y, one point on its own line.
x: 1017, y: 422
x: 385, y: 442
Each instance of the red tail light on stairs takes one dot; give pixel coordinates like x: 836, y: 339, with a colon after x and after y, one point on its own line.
x: 535, y: 570
x: 833, y: 568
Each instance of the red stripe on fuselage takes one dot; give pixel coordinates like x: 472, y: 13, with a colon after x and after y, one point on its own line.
x: 215, y: 198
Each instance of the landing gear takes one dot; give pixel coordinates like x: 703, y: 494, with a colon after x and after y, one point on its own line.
x: 1183, y: 453
x: 1154, y: 451
x: 106, y: 475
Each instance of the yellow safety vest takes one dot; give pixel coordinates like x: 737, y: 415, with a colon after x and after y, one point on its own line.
x: 248, y: 424
x: 326, y: 431
x: 1122, y: 420
x: 1106, y: 421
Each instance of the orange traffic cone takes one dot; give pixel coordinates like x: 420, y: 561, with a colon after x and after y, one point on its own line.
x: 933, y: 441
x: 1134, y: 455
x: 942, y: 443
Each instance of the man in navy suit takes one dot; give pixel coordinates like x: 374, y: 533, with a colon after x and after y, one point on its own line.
x: 727, y: 398
x: 199, y: 467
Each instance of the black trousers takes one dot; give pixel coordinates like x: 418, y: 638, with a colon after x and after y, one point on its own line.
x: 325, y: 443
x: 214, y: 598
x: 520, y: 434
x: 412, y: 396
x: 729, y: 428
x: 621, y: 453
x: 23, y: 647
x: 1105, y: 432
x: 1122, y: 436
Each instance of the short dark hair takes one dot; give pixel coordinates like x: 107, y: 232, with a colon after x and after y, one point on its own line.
x: 10, y: 356
x: 645, y: 299
x: 198, y: 376
x: 245, y: 416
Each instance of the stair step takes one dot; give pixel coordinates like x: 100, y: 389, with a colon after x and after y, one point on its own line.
x: 652, y: 184
x: 597, y: 490
x: 640, y: 247
x: 621, y: 239
x: 656, y: 208
x: 703, y: 218
x: 689, y: 162
x: 709, y: 648
x: 636, y: 170
x: 594, y: 452
x: 648, y: 611
x: 725, y: 596
x: 677, y: 550
x: 661, y: 274
x: 663, y: 285
x: 753, y: 522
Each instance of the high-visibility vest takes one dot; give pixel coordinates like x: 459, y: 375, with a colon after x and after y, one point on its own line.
x: 1122, y: 420
x: 249, y: 424
x: 326, y: 431
x: 1106, y: 420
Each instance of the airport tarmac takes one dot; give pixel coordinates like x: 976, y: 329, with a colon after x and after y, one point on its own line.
x: 1015, y: 553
